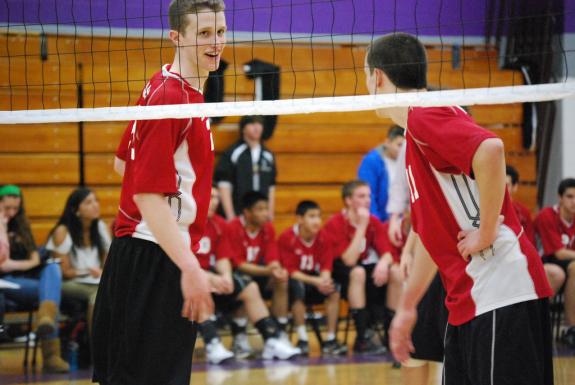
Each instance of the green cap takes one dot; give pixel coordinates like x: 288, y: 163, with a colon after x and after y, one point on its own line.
x: 10, y: 189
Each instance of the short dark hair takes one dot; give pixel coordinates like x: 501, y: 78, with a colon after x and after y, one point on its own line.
x: 513, y: 173
x: 402, y: 58
x: 304, y: 206
x: 251, y: 198
x: 565, y: 184
x: 250, y: 119
x: 179, y: 9
x: 348, y: 188
x: 395, y: 132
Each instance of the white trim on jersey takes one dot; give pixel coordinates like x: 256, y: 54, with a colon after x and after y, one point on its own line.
x: 500, y: 274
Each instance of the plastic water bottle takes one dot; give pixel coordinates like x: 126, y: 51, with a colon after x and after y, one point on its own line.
x: 73, y: 348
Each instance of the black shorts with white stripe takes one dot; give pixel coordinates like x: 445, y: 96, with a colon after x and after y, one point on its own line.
x: 511, y: 345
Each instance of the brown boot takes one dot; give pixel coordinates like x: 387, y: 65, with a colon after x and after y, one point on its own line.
x: 53, y: 363
x: 46, y: 319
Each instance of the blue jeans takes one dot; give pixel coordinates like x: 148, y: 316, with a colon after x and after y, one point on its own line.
x: 32, y: 291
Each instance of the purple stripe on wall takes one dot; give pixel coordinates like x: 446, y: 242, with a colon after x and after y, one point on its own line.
x: 342, y: 17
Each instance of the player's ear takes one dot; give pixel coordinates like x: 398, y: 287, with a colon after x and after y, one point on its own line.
x: 380, y: 78
x: 174, y: 37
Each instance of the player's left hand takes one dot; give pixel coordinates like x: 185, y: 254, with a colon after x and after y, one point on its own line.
x: 380, y: 274
x: 400, y: 334
x: 473, y: 241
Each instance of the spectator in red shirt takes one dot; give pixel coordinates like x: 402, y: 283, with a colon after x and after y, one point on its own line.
x: 305, y: 252
x: 359, y: 266
x: 554, y: 273
x: 556, y: 230
x: 251, y: 238
x: 230, y: 290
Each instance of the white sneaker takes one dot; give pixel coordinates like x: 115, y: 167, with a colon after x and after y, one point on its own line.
x: 280, y: 349
x: 241, y: 346
x: 217, y: 353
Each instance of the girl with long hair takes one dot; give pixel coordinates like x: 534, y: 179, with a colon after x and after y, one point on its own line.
x: 81, y: 241
x: 38, y: 283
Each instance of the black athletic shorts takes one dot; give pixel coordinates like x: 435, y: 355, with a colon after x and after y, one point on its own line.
x: 139, y: 336
x: 562, y: 263
x: 309, y: 294
x: 264, y: 284
x: 429, y: 331
x: 374, y: 295
x: 510, y: 345
x: 227, y: 303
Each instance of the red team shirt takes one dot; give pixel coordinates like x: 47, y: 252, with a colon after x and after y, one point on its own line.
x: 298, y: 255
x: 213, y: 245
x: 524, y: 216
x: 259, y: 248
x: 340, y: 233
x: 554, y: 232
x: 390, y: 247
x: 173, y: 157
x: 441, y: 143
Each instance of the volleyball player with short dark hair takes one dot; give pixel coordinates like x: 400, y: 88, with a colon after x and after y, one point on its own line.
x: 496, y: 286
x: 153, y: 288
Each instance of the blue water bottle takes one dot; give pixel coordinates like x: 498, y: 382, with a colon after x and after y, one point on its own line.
x: 73, y: 348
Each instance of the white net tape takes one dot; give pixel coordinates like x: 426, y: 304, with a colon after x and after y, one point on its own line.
x: 462, y: 97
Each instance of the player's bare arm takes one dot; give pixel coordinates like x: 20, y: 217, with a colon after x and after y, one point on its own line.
x: 351, y: 255
x: 422, y: 273
x: 198, y: 305
x: 489, y: 170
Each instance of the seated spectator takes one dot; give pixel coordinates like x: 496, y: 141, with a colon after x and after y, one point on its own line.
x: 555, y: 227
x: 4, y: 255
x: 81, y: 241
x: 378, y: 169
x: 360, y: 267
x: 523, y: 213
x: 305, y: 252
x: 252, y: 241
x: 232, y: 289
x: 39, y: 283
x: 246, y: 166
x: 555, y: 274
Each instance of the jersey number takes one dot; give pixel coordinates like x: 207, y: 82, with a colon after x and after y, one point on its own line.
x: 252, y: 253
x: 306, y: 263
x: 411, y: 182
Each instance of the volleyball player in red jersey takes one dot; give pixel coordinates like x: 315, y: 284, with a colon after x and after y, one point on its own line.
x: 496, y: 286
x: 153, y: 289
x: 232, y: 290
x: 306, y: 254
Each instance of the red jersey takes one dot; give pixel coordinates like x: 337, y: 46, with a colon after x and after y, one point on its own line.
x: 441, y: 144
x: 341, y: 232
x: 259, y: 248
x: 213, y: 243
x: 173, y: 157
x: 299, y: 255
x: 555, y: 234
x: 389, y: 247
x: 524, y: 216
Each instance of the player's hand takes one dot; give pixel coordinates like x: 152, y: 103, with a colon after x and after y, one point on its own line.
x: 198, y: 304
x: 380, y: 274
x: 394, y: 231
x: 363, y: 216
x: 405, y: 264
x: 474, y: 241
x: 325, y: 286
x: 400, y: 334
x: 280, y: 274
x: 219, y: 284
x: 228, y: 284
